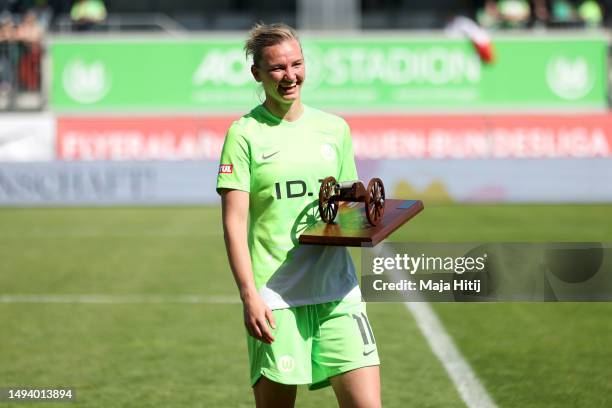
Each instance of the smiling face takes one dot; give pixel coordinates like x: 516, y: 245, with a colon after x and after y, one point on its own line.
x: 281, y: 71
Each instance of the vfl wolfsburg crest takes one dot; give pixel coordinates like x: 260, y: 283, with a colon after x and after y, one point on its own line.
x: 569, y: 78
x: 286, y: 363
x: 86, y: 83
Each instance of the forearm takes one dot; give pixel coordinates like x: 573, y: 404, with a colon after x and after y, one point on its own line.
x: 235, y: 216
x: 240, y: 262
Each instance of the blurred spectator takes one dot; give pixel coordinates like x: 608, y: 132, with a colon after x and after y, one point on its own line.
x: 563, y: 13
x: 504, y: 14
x: 521, y: 13
x: 43, y: 12
x: 87, y: 14
x: 7, y: 27
x: 29, y: 31
x: 590, y: 13
x: 7, y: 54
x: 29, y: 34
x: 514, y: 13
x: 488, y: 16
x: 541, y: 16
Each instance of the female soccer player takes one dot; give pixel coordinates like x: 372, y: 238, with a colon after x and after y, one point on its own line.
x: 302, y: 304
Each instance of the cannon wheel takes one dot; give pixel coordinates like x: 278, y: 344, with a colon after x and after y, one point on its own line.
x: 375, y: 201
x: 328, y: 208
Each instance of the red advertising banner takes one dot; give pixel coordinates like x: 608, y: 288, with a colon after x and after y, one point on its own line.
x: 374, y: 137
x: 482, y: 136
x: 141, y: 138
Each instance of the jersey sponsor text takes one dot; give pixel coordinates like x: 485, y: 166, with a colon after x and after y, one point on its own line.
x: 226, y: 169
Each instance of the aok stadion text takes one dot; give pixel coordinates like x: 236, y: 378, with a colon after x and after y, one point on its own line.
x: 428, y: 264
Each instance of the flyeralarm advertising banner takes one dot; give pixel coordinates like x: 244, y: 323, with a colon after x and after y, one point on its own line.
x: 374, y: 137
x: 141, y: 138
x: 466, y: 158
x: 369, y: 73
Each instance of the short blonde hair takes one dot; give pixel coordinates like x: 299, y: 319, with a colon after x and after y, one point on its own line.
x: 265, y: 35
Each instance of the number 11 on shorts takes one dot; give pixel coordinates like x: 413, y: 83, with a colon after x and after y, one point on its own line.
x: 364, y: 324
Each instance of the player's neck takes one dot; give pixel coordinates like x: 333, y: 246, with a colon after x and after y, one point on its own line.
x: 288, y: 112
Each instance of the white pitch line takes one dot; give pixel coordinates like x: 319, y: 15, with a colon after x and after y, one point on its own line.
x: 471, y: 390
x: 119, y: 299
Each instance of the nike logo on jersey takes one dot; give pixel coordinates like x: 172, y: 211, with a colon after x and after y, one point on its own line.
x: 267, y: 156
x: 368, y: 353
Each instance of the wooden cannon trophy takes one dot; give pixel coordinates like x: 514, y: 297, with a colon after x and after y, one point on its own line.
x: 343, y: 221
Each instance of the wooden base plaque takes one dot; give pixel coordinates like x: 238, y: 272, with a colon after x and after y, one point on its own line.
x: 351, y: 227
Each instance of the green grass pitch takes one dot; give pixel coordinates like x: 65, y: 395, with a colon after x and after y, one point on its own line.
x: 169, y: 354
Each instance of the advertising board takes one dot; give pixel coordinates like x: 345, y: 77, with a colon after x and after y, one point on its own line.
x: 375, y: 137
x: 367, y: 73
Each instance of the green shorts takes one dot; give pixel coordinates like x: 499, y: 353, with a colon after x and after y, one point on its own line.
x: 313, y: 343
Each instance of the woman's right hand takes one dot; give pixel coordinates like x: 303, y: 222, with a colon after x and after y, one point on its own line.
x: 257, y: 315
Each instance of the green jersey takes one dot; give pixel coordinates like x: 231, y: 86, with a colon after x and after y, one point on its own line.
x: 281, y: 165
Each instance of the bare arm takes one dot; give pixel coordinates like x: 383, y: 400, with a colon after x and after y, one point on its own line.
x: 235, y: 215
